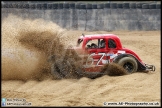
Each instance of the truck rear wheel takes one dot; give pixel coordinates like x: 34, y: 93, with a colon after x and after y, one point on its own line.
x: 56, y: 70
x: 129, y: 64
x: 66, y: 69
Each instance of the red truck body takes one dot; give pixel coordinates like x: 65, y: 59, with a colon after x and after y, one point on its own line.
x: 112, y: 52
x: 92, y: 56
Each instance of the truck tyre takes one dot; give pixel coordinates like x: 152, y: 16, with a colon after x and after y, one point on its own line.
x: 62, y: 69
x: 56, y: 70
x: 66, y: 69
x: 75, y: 68
x: 129, y: 64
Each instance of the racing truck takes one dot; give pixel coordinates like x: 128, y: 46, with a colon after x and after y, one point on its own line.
x: 92, y: 53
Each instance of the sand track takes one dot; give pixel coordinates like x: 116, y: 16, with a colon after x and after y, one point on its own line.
x: 137, y: 87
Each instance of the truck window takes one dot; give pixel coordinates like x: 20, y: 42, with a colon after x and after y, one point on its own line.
x: 79, y: 42
x: 102, y: 43
x: 92, y: 43
x: 111, y: 43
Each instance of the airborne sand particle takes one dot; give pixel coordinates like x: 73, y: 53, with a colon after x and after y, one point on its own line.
x: 27, y: 45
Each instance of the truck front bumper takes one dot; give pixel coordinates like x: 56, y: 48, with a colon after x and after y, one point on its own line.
x: 150, y: 67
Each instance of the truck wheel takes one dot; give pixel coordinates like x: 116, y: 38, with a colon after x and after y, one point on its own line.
x: 56, y: 70
x: 65, y: 69
x: 74, y: 68
x: 129, y: 64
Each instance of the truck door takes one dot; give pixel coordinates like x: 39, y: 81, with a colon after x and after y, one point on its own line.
x: 106, y: 52
x: 97, y: 53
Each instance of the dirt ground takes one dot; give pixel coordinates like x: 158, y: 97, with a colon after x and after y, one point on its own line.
x: 137, y: 87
